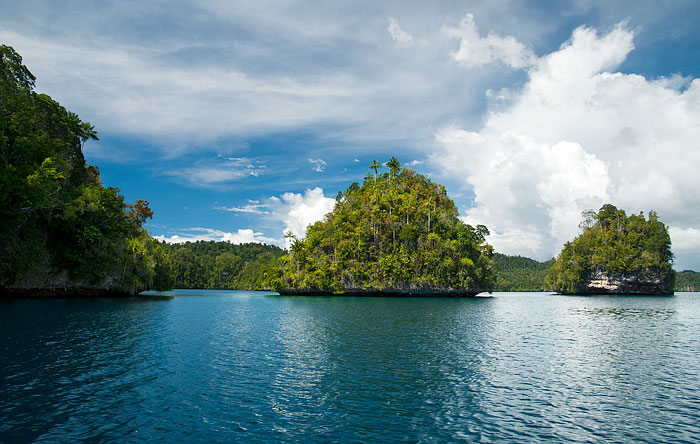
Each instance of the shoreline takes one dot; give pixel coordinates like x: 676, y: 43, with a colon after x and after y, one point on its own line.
x: 416, y: 293
x: 63, y: 293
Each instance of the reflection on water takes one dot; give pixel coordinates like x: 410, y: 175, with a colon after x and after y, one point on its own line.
x: 239, y: 366
x: 620, y: 313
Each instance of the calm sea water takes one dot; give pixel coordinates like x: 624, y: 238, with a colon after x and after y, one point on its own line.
x: 215, y: 366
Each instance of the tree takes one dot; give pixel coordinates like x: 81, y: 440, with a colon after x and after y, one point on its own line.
x: 394, y: 166
x: 57, y: 221
x: 13, y: 74
x: 375, y: 166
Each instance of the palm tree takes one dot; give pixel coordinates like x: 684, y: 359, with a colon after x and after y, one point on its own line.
x: 375, y: 166
x: 296, y: 246
x: 394, y: 166
x: 83, y: 130
x: 429, y: 202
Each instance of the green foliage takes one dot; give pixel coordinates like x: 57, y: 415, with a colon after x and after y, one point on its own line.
x: 517, y: 273
x: 221, y: 265
x: 56, y: 218
x: 687, y: 280
x: 616, y: 243
x: 397, y: 231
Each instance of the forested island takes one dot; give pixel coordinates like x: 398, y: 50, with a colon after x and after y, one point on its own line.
x: 63, y: 232
x: 397, y: 233
x: 615, y: 254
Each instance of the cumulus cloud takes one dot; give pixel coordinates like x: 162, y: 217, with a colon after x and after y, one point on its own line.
x: 475, y: 50
x: 401, y: 37
x: 685, y: 240
x: 577, y: 136
x: 242, y: 236
x: 297, y: 211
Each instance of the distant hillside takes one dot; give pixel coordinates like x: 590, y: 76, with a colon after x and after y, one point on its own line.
x: 517, y: 273
x: 687, y: 280
x: 221, y: 265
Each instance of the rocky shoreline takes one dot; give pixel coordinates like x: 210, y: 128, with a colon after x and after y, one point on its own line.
x: 643, y: 282
x: 62, y: 293
x: 419, y: 293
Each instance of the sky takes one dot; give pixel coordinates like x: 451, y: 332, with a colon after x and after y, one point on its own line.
x: 238, y: 121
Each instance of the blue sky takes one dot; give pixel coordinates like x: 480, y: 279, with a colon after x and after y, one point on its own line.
x: 239, y: 120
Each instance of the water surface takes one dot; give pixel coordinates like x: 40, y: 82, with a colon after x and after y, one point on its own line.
x: 208, y: 366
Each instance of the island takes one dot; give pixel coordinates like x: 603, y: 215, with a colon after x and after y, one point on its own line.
x: 396, y: 234
x: 62, y: 232
x: 616, y: 254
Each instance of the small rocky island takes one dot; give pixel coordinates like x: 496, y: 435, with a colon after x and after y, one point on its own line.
x: 616, y: 254
x: 396, y: 234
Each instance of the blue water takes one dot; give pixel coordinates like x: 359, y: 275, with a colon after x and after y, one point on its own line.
x: 215, y: 366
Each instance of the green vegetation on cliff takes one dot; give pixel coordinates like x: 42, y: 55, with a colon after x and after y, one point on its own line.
x: 59, y: 226
x: 615, y: 244
x: 397, y: 231
x: 221, y: 265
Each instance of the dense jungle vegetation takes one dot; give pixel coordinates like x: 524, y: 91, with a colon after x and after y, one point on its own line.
x: 221, y: 265
x: 397, y: 231
x: 518, y: 273
x: 687, y: 280
x: 59, y: 226
x: 616, y: 243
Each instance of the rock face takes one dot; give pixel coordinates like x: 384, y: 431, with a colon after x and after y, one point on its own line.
x: 644, y: 282
x: 45, y: 283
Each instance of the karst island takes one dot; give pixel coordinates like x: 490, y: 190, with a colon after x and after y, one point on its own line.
x: 616, y: 254
x: 396, y: 234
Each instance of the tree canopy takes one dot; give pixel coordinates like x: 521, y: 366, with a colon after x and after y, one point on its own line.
x: 396, y: 232
x: 616, y: 244
x: 59, y: 226
x: 221, y: 265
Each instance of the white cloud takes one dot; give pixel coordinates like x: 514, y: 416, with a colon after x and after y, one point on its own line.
x: 297, y: 211
x: 401, y: 37
x: 685, y: 240
x: 216, y: 174
x: 318, y: 164
x: 577, y: 136
x: 242, y: 236
x: 245, y: 71
x: 475, y: 50
x: 252, y: 207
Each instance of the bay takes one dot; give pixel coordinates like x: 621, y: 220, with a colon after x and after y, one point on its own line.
x: 231, y: 366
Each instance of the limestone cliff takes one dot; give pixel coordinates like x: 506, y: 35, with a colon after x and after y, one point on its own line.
x: 642, y: 282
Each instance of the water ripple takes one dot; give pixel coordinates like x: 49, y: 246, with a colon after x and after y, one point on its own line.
x: 242, y: 366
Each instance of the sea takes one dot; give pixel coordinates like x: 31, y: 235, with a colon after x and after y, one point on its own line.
x: 191, y: 366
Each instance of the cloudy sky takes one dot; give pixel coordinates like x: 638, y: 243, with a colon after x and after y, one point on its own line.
x: 239, y: 120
